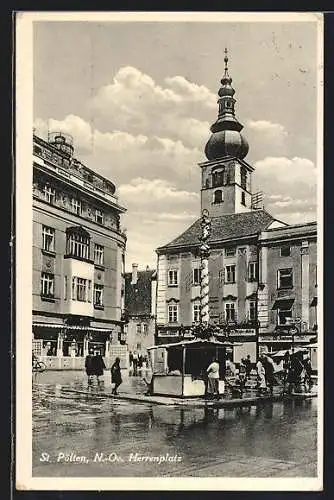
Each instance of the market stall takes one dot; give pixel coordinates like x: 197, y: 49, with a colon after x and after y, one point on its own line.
x: 179, y: 369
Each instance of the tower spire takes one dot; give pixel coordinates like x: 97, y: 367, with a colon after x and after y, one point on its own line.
x: 226, y: 138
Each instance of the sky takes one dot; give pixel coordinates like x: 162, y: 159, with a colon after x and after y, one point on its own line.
x: 139, y: 99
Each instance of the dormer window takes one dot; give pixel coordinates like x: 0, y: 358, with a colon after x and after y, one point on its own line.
x: 218, y: 196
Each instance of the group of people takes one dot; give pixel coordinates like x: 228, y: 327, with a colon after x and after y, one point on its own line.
x: 297, y: 370
x: 136, y: 362
x: 95, y: 367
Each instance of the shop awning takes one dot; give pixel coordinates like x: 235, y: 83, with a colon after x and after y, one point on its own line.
x: 314, y: 302
x: 283, y: 304
x: 72, y: 327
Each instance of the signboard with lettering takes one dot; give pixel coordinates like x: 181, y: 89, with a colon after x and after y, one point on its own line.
x: 243, y: 331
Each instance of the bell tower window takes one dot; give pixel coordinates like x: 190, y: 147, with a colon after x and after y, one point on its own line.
x: 243, y: 199
x: 218, y: 196
x: 218, y: 178
x: 243, y: 177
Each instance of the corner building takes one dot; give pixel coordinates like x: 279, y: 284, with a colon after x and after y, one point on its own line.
x: 235, y: 243
x: 78, y: 255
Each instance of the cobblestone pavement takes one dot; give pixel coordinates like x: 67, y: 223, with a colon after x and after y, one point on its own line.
x: 81, y: 435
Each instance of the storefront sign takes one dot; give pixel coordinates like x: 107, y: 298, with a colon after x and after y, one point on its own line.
x: 243, y: 331
x: 285, y: 338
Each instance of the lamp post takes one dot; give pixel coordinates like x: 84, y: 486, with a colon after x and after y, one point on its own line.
x: 204, y: 280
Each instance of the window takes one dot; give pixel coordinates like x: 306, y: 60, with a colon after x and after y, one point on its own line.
x: 172, y: 277
x: 285, y: 251
x: 252, y: 271
x: 49, y: 194
x: 81, y: 289
x: 78, y: 245
x: 76, y: 206
x: 243, y: 177
x: 230, y: 311
x: 243, y: 199
x: 99, y: 216
x: 47, y: 285
x: 252, y: 310
x: 138, y: 327
x: 98, y: 295
x: 98, y: 254
x: 285, y: 278
x: 145, y: 328
x: 218, y: 196
x: 48, y: 238
x: 196, y: 276
x: 283, y: 315
x: 196, y: 313
x: 230, y: 274
x: 65, y: 287
x: 218, y: 178
x: 230, y: 251
x: 172, y: 314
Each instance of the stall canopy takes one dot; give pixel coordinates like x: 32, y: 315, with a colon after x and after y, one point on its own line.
x: 281, y: 354
x: 283, y: 304
x: 200, y: 343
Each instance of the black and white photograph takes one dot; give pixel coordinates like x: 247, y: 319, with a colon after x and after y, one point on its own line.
x: 169, y: 178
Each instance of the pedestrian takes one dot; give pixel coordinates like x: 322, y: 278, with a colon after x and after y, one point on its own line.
x: 116, y: 377
x: 242, y: 375
x: 99, y: 366
x: 135, y: 363
x: 90, y: 366
x: 213, y: 379
x: 261, y: 379
x: 130, y: 360
x: 269, y: 369
x: 295, y: 371
x: 308, y: 372
x: 248, y: 366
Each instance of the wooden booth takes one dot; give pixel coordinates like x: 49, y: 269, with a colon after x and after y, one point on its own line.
x: 179, y: 369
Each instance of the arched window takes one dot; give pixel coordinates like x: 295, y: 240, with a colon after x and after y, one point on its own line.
x: 218, y: 196
x: 218, y: 178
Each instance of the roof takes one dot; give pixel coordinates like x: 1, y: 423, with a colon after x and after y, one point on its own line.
x: 197, y: 343
x: 225, y: 227
x: 138, y: 297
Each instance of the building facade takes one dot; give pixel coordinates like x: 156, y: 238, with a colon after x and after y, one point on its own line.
x: 78, y: 253
x: 243, y: 262
x: 140, y: 310
x: 287, y: 296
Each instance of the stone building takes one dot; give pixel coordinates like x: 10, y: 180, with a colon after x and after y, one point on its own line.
x: 78, y: 253
x: 241, y: 232
x: 287, y: 295
x: 140, y: 300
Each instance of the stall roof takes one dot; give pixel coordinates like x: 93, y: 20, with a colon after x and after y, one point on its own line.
x: 196, y: 342
x: 280, y: 354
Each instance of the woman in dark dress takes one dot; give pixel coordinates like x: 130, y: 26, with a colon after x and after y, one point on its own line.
x: 99, y: 366
x: 89, y: 365
x: 116, y: 377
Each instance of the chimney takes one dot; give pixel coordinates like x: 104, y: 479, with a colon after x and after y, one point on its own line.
x: 134, y: 274
x: 147, y: 268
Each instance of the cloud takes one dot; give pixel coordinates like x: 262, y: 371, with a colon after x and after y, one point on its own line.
x: 289, y: 185
x: 134, y: 102
x: 265, y: 126
x: 286, y: 171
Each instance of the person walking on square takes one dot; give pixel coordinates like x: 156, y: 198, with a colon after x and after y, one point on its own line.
x: 116, y: 377
x: 248, y: 365
x: 269, y: 369
x: 261, y: 379
x: 90, y: 366
x: 213, y: 379
x: 99, y: 366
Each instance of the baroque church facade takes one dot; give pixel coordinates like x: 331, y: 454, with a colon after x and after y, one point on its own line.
x: 243, y: 293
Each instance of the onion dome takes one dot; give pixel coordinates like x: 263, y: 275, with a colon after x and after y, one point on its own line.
x: 226, y: 139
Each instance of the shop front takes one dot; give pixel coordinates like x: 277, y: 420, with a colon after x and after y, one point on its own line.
x: 66, y: 346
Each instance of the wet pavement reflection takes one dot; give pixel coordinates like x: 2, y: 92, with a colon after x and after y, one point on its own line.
x: 90, y: 436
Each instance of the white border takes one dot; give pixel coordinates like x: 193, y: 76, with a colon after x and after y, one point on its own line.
x: 24, y: 124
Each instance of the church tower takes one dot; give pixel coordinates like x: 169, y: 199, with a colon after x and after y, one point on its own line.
x: 226, y: 177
